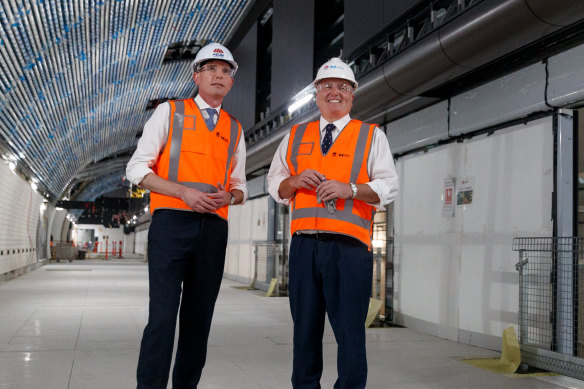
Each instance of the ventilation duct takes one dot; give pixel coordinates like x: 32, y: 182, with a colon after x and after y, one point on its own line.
x: 483, y: 33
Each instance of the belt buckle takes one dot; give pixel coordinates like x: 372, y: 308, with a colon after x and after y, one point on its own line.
x: 321, y: 235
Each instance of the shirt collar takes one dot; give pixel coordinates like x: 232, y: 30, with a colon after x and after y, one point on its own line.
x: 340, y: 124
x: 203, y: 104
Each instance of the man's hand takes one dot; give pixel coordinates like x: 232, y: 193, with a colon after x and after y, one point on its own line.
x: 221, y: 198
x: 198, y: 201
x: 332, y: 189
x: 308, y: 179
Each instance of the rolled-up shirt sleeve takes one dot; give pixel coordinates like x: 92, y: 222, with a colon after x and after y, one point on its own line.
x: 381, y: 168
x: 150, y: 144
x: 237, y: 179
x: 279, y: 171
x: 153, y: 140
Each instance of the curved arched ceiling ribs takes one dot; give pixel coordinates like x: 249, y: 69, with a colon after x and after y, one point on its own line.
x: 76, y: 76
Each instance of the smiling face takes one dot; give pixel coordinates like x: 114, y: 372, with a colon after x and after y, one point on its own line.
x: 333, y: 103
x: 214, y: 85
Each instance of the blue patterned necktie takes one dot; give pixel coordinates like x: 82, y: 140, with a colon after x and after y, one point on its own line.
x: 211, y: 119
x: 327, y: 141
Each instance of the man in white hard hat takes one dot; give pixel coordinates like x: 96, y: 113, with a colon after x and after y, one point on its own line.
x: 192, y: 158
x: 334, y: 173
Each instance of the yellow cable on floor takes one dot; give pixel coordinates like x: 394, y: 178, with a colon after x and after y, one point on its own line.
x: 510, y: 356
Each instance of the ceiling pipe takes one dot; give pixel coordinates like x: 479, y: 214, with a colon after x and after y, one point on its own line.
x: 487, y: 31
x: 483, y: 33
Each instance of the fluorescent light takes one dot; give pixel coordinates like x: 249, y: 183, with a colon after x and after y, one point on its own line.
x: 378, y: 243
x: 59, y: 209
x: 33, y: 186
x: 146, y: 209
x: 12, y: 166
x: 299, y: 103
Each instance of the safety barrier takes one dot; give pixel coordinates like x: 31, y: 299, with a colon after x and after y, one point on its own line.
x: 271, y: 262
x: 551, y: 294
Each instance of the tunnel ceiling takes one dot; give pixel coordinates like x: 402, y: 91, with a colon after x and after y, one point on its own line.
x: 76, y: 79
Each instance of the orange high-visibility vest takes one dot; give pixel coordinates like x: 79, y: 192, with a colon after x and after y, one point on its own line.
x: 194, y: 156
x: 345, y: 161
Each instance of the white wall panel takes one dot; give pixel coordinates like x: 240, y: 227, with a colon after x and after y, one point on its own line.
x: 247, y: 223
x: 566, y: 77
x: 20, y: 212
x: 419, y: 129
x: 129, y: 241
x: 57, y: 224
x: 259, y: 221
x: 426, y: 273
x: 455, y: 276
x: 141, y: 242
x: 510, y: 97
x: 245, y: 217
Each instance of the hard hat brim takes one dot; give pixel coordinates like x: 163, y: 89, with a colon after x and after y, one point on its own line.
x: 355, y: 83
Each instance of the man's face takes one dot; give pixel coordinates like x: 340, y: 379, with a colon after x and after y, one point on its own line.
x: 332, y: 100
x: 214, y: 79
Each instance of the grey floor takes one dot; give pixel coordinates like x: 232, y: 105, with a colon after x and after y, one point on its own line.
x: 79, y: 325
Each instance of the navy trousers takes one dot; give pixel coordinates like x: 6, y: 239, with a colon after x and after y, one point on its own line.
x: 186, y: 257
x: 329, y: 273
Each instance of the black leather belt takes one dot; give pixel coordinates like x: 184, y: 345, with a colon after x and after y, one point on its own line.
x: 331, y: 237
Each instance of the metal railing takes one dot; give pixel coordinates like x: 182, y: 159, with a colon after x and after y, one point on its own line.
x: 271, y: 262
x: 551, y: 293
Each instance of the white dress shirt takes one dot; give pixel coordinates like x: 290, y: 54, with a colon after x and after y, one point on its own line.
x: 380, y: 166
x: 154, y: 139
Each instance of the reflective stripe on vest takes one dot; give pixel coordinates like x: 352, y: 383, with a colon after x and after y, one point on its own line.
x: 346, y: 214
x: 180, y: 124
x: 176, y: 145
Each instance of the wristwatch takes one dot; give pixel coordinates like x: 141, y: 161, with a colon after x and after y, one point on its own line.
x: 354, y: 190
x: 232, y: 199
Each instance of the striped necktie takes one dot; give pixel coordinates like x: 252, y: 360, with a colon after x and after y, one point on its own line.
x: 211, y: 118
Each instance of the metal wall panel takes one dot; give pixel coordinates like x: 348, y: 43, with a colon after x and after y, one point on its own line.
x: 240, y: 102
x: 566, y: 77
x: 292, y: 49
x: 20, y: 214
x: 507, y: 98
x: 420, y: 129
x: 257, y: 186
x: 365, y: 18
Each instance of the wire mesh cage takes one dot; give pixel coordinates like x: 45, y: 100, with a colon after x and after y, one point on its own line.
x: 551, y: 292
x: 270, y: 263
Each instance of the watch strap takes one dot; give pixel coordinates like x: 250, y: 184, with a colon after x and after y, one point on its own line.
x: 354, y: 190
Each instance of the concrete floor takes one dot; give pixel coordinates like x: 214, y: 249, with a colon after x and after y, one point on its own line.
x: 79, y: 325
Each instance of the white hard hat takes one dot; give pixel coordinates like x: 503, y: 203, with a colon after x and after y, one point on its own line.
x: 335, y: 68
x: 214, y: 51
